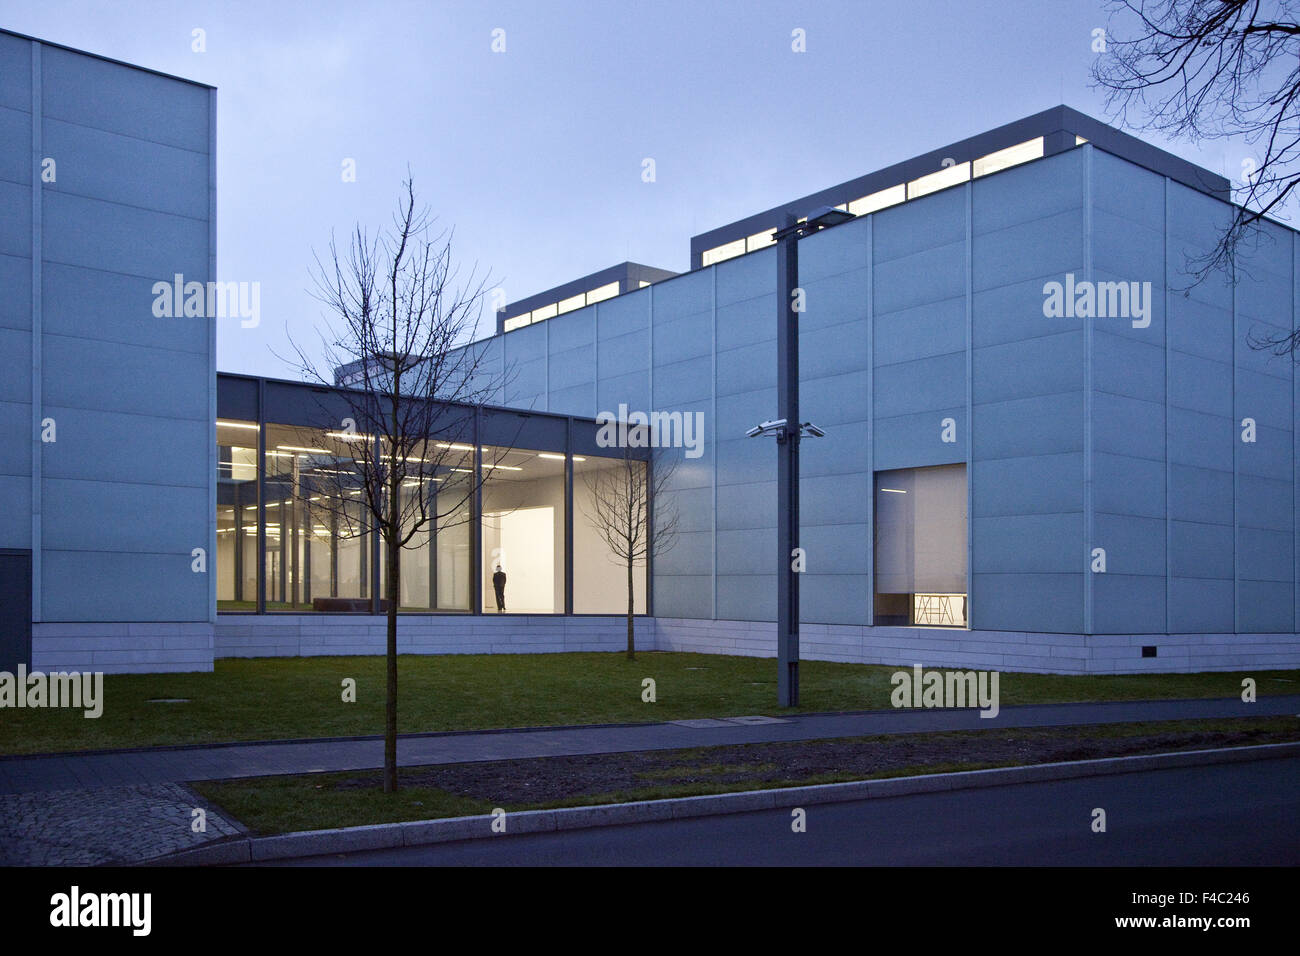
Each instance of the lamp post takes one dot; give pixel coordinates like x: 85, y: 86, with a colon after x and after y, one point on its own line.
x: 788, y: 431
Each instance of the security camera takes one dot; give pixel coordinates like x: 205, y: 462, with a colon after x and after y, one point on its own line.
x: 813, y: 430
x: 774, y: 427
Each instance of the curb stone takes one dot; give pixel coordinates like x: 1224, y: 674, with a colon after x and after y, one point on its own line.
x: 424, y: 832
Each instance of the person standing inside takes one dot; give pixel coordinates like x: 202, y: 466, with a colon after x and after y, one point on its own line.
x: 499, y: 585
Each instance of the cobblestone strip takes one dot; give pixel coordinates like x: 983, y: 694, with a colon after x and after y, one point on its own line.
x: 104, y: 825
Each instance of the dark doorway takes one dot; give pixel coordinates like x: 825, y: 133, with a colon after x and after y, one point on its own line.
x: 15, y: 609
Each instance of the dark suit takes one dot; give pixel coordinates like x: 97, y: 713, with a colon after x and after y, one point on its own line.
x: 499, y: 585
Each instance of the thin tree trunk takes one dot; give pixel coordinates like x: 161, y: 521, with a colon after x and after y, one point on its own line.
x: 631, y: 644
x: 394, y: 568
x: 390, y: 710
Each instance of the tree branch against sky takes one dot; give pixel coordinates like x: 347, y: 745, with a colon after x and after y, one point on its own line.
x: 1214, y: 70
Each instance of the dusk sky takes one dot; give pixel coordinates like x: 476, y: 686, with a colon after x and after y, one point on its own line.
x: 535, y: 154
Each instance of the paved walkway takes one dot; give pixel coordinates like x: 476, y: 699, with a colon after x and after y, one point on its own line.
x: 105, y: 826
x: 180, y: 764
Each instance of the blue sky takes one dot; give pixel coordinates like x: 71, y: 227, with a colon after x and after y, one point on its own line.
x: 534, y: 155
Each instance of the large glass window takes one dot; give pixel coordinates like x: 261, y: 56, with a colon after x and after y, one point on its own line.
x: 454, y: 575
x: 610, y: 517
x: 436, y: 506
x: 920, y: 547
x: 323, y: 554
x: 523, y: 531
x: 236, y: 515
x: 318, y: 542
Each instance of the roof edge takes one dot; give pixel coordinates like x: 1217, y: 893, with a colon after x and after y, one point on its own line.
x: 107, y: 59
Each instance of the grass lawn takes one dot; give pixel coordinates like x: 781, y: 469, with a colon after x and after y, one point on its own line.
x: 277, y: 698
x: 320, y: 801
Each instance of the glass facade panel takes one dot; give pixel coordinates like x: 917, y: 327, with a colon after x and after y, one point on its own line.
x: 878, y: 200
x: 1011, y: 156
x: 318, y: 548
x: 436, y: 507
x: 601, y: 293
x: 609, y: 507
x: 236, y: 515
x: 523, y: 531
x: 920, y: 547
x: 948, y: 176
x: 728, y: 250
x: 321, y: 553
x: 571, y: 303
x: 455, y: 583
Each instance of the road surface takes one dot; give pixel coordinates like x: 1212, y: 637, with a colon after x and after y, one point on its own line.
x: 1240, y: 814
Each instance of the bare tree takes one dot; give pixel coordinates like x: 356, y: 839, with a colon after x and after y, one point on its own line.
x: 403, y: 455
x: 1214, y: 69
x: 628, y: 508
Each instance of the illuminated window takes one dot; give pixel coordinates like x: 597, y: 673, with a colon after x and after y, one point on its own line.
x: 602, y: 293
x: 759, y: 240
x: 523, y: 533
x: 519, y: 321
x: 878, y: 200
x: 545, y: 312
x: 237, y: 515
x: 1079, y: 140
x: 727, y: 250
x: 948, y: 176
x: 318, y: 547
x: 600, y: 581
x: 920, y: 547
x: 571, y: 303
x: 642, y: 284
x: 1011, y: 156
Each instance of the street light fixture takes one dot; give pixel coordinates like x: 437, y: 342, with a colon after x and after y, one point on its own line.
x: 823, y: 217
x: 787, y: 440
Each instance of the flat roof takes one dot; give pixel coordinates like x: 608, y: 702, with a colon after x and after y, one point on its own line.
x: 323, y: 387
x: 622, y: 270
x: 1060, y: 127
x: 106, y: 59
x: 623, y: 275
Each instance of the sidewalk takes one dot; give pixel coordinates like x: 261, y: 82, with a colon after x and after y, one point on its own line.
x: 105, y: 826
x: 32, y: 774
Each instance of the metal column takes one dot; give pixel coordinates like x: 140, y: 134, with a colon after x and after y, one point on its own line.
x: 787, y: 469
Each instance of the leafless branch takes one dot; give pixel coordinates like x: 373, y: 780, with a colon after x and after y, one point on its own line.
x: 1214, y: 69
